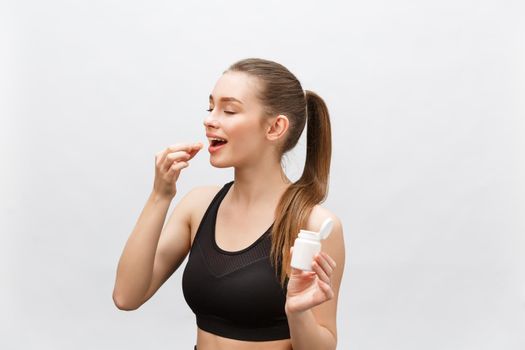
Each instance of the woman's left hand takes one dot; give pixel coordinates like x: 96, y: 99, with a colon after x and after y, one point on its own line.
x: 307, y: 289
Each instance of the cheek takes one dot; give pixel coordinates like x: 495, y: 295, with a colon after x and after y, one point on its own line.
x: 246, y: 136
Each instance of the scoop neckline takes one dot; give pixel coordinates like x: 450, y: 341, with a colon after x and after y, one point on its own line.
x: 233, y: 252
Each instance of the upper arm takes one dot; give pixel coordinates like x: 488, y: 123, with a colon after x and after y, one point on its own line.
x: 174, y: 242
x: 333, y: 245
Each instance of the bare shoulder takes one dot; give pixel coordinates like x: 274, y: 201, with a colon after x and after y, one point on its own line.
x: 197, y: 200
x: 333, y: 244
x: 320, y: 214
x: 200, y: 194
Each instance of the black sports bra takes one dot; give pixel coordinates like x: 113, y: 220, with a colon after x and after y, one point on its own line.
x: 234, y: 294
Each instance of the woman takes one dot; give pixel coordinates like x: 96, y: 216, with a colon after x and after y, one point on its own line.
x: 239, y: 235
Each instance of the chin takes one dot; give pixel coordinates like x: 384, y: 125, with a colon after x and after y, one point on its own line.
x: 219, y: 164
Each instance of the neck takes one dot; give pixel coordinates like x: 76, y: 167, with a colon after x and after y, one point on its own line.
x: 259, y: 184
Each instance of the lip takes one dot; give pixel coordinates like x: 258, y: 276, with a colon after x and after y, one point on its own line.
x: 215, y: 135
x: 213, y: 149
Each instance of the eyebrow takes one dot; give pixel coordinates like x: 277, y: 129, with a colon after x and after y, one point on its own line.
x: 227, y: 99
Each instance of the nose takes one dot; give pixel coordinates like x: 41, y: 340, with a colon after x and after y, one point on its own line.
x: 210, y: 121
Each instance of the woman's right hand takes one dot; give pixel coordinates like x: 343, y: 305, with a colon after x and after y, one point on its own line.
x: 169, y: 163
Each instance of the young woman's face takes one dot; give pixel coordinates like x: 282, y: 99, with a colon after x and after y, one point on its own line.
x: 236, y: 116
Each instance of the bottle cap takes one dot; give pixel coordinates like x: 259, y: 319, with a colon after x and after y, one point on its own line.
x: 326, y: 228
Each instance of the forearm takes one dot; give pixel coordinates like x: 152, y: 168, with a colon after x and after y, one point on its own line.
x: 135, y: 266
x: 307, y: 334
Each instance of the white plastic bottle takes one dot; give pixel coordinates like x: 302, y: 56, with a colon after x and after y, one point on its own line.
x: 307, y: 244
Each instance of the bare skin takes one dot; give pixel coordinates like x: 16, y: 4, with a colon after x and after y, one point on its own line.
x: 154, y: 252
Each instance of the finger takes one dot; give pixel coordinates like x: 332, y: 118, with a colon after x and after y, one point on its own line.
x: 321, y: 260
x: 177, y: 155
x: 191, y: 149
x: 302, y: 273
x: 174, y: 148
x: 174, y: 157
x: 159, y: 158
x: 326, y: 289
x: 320, y: 272
x: 180, y: 147
x: 196, y: 147
x: 175, y: 168
x: 329, y: 259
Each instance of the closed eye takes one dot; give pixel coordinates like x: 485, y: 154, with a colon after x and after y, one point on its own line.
x: 229, y: 112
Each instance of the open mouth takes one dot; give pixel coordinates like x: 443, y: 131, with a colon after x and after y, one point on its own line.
x: 217, y: 142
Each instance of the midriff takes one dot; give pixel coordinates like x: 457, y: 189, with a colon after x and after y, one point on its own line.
x: 210, y: 341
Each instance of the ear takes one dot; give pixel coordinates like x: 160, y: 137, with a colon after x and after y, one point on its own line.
x: 276, y: 127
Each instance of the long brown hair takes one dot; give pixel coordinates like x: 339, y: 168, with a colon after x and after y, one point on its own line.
x: 281, y: 92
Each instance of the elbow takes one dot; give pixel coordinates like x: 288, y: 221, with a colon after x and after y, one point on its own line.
x: 124, y: 305
x: 333, y: 338
x: 335, y: 341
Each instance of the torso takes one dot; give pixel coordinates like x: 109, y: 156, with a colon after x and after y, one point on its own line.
x: 206, y: 341
x: 243, y: 227
x: 251, y: 225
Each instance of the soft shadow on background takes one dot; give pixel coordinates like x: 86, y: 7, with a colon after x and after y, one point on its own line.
x: 428, y: 115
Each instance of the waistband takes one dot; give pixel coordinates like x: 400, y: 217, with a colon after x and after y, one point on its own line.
x: 225, y: 328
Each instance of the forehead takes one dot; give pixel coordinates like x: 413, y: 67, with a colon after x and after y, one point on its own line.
x: 236, y: 84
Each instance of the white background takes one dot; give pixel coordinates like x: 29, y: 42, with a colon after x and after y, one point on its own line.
x: 428, y: 115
